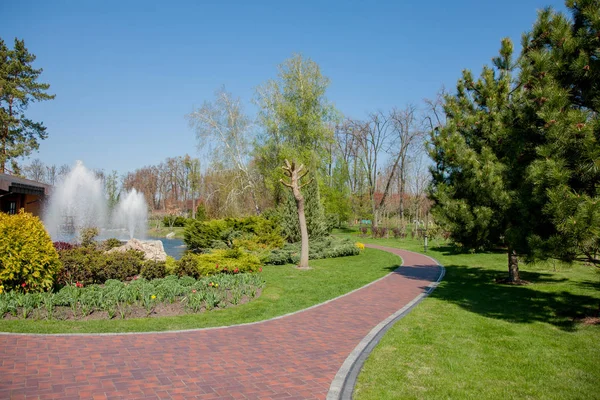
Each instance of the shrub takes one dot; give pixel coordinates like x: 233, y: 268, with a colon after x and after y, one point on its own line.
x: 28, y: 258
x: 232, y: 261
x: 201, y: 212
x: 119, y: 265
x: 63, y: 246
x: 87, y: 236
x: 222, y: 234
x: 200, y: 235
x: 379, y: 232
x: 111, y: 244
x: 170, y: 265
x: 187, y: 266
x: 154, y: 269
x: 174, y: 221
x: 79, y: 264
x: 364, y: 230
x: 89, y: 265
x: 328, y: 247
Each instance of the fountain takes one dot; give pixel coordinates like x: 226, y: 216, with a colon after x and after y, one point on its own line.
x: 78, y: 202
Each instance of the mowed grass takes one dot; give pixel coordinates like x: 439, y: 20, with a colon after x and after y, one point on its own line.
x: 163, y: 231
x: 476, y: 339
x: 287, y: 290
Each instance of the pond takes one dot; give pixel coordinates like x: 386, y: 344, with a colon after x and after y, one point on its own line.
x: 173, y: 247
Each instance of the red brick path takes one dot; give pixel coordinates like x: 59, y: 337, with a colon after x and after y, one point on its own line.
x: 295, y: 357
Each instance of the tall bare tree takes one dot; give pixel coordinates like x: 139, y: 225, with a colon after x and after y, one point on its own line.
x: 224, y: 124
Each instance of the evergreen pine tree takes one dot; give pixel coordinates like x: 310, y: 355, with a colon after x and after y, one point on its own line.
x: 19, y: 87
x: 561, y: 71
x: 517, y: 163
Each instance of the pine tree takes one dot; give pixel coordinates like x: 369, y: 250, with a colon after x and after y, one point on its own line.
x: 517, y: 163
x: 18, y: 88
x: 561, y: 71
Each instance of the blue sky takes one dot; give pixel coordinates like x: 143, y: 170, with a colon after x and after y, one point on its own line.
x: 125, y: 73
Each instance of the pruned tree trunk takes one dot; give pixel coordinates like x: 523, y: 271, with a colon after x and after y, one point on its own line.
x: 295, y: 174
x: 513, y: 266
x: 303, y: 231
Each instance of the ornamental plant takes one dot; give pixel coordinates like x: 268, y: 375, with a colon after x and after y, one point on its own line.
x: 28, y: 260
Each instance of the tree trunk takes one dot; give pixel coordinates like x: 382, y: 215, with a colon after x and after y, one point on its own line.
x: 294, y: 173
x: 255, y: 201
x: 513, y: 266
x: 303, y: 232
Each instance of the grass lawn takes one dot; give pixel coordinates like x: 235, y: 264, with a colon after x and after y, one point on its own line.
x: 287, y: 290
x: 153, y: 231
x: 476, y: 339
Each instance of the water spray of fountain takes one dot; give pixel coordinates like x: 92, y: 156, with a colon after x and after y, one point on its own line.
x: 79, y: 202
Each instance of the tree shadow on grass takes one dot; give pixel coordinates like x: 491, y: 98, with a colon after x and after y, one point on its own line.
x: 450, y: 250
x: 475, y: 289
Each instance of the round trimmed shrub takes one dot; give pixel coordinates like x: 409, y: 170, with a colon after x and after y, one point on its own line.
x: 154, y: 269
x: 28, y: 259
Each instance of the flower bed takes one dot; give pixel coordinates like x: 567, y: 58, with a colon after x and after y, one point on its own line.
x: 138, y: 298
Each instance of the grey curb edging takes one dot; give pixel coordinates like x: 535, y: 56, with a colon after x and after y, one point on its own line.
x: 344, y: 382
x: 203, y: 329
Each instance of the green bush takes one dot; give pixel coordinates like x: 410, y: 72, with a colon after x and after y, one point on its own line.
x: 200, y: 212
x: 221, y: 234
x: 170, y: 265
x: 28, y: 259
x: 119, y: 265
x: 88, y: 265
x: 199, y: 235
x: 232, y: 261
x: 187, y: 266
x: 328, y: 247
x: 79, y: 264
x: 111, y: 244
x: 154, y: 269
x: 87, y: 236
x: 174, y: 221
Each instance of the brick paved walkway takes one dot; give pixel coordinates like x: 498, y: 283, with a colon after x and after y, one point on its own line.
x: 295, y: 357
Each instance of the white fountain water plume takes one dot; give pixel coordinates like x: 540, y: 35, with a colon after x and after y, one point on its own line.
x: 79, y: 202
x: 131, y: 214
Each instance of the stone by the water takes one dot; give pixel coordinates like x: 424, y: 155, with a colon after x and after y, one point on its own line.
x: 152, y: 249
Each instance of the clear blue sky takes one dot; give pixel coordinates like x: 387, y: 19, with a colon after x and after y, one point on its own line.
x: 125, y: 73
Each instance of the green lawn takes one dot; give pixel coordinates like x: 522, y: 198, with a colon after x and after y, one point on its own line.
x: 476, y: 339
x: 287, y: 290
x: 153, y: 231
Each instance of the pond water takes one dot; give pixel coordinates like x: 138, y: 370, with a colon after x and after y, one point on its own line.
x: 173, y: 247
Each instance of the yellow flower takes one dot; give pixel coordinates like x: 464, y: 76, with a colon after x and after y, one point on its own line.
x: 216, y: 285
x: 153, y: 297
x: 360, y: 246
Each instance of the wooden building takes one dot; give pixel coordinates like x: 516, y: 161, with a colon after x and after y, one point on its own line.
x: 17, y: 193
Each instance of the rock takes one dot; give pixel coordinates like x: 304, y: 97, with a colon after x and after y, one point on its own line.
x: 152, y: 249
x: 170, y: 235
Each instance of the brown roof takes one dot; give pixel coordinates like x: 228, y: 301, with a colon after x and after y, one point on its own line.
x: 7, y: 180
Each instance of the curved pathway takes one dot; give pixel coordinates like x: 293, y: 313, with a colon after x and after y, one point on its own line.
x: 294, y: 357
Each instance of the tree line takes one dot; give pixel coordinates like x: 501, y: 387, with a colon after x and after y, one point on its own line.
x: 372, y: 168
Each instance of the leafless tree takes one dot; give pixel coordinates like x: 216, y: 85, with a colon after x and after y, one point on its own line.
x: 224, y: 124
x: 36, y: 171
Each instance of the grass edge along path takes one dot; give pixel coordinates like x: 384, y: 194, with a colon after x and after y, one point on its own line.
x: 474, y: 338
x: 287, y: 290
